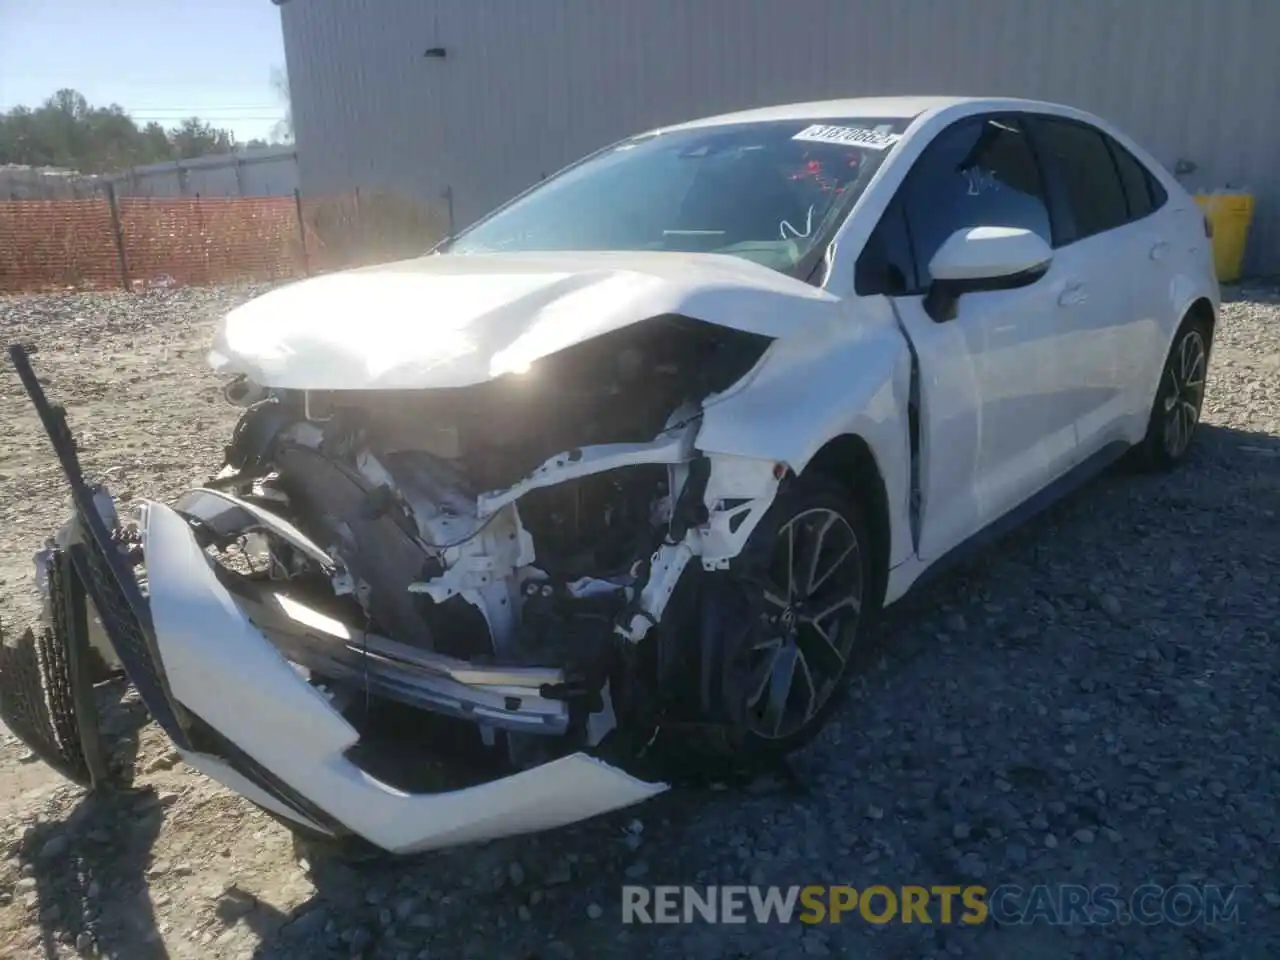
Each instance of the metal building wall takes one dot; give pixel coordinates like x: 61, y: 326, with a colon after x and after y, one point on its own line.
x: 528, y: 85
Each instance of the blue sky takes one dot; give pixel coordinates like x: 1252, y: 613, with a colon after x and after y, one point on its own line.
x: 159, y: 59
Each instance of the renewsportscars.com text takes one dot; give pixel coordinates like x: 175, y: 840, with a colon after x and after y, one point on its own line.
x: 1054, y: 904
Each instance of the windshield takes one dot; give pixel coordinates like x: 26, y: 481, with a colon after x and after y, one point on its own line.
x: 770, y: 192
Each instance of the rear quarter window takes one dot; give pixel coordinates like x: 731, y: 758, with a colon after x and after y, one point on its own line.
x: 1142, y: 190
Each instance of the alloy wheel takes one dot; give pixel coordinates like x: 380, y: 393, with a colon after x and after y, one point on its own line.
x: 1184, y: 394
x: 812, y: 605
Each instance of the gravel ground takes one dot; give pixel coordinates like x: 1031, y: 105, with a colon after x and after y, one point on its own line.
x: 1095, y: 700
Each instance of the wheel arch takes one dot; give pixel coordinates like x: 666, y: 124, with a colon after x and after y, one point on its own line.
x: 848, y: 461
x: 1202, y: 309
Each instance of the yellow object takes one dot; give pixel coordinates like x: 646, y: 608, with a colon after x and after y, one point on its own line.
x: 1229, y: 214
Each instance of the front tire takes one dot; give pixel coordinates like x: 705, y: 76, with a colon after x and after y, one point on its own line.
x: 810, y: 579
x: 1175, y: 413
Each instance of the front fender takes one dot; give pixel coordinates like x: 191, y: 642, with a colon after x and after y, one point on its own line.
x: 809, y: 394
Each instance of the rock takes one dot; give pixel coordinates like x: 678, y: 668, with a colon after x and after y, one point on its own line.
x: 310, y: 923
x: 1050, y: 841
x: 815, y: 945
x: 875, y: 813
x: 559, y: 873
x: 956, y: 623
x: 636, y: 870
x: 25, y: 885
x: 84, y: 942
x: 1110, y: 604
x: 960, y: 831
x: 54, y: 847
x: 165, y: 761
x: 359, y: 939
x: 235, y: 904
x: 973, y: 865
x: 524, y: 913
x: 405, y: 907
x: 1083, y: 835
x: 515, y: 873
x: 595, y: 911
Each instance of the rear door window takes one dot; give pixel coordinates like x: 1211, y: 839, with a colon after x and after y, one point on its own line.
x: 1080, y: 165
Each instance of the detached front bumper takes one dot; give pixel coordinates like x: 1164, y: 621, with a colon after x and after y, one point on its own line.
x: 241, y: 713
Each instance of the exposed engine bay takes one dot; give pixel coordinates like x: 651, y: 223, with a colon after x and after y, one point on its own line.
x: 498, y: 553
x: 516, y: 574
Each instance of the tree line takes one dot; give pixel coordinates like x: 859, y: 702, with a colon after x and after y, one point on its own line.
x: 66, y: 131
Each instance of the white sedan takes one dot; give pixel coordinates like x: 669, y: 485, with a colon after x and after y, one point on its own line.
x: 621, y: 475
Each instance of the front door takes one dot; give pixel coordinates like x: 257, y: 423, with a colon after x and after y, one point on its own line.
x: 991, y: 431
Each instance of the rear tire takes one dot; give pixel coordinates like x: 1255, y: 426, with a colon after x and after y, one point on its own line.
x: 1175, y: 412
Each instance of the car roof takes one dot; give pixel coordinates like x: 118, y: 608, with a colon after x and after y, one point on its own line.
x: 870, y: 107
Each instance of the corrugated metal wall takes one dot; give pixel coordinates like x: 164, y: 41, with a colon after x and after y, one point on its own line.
x: 528, y: 85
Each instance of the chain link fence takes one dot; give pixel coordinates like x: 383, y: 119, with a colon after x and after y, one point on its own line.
x: 129, y: 242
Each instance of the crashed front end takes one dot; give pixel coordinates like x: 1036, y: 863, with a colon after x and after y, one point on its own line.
x: 424, y: 617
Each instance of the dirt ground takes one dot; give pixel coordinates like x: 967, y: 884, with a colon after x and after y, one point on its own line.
x: 1097, y: 699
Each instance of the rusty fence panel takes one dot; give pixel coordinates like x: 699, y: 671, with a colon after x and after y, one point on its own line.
x: 210, y: 239
x: 50, y: 244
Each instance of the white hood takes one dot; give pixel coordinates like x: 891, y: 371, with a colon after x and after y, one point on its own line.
x: 451, y: 321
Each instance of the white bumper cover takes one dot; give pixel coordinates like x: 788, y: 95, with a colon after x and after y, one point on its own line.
x: 221, y: 668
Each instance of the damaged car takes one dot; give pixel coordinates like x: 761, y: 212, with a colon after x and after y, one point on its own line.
x: 626, y: 470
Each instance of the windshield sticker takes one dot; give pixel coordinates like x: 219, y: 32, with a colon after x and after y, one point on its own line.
x: 849, y: 136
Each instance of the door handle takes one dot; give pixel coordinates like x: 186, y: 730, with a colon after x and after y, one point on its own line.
x: 1160, y: 250
x: 1072, y: 295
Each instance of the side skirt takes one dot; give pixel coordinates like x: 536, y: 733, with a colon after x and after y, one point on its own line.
x: 1037, y: 503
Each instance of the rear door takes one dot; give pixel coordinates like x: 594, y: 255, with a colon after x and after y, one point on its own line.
x: 992, y: 432
x: 1157, y: 239
x: 1096, y: 249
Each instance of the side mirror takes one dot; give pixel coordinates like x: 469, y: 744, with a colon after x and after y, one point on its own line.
x: 983, y: 258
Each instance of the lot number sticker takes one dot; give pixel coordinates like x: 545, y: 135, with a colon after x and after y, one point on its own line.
x: 849, y: 136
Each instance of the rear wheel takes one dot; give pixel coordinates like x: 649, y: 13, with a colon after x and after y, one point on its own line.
x: 1175, y: 413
